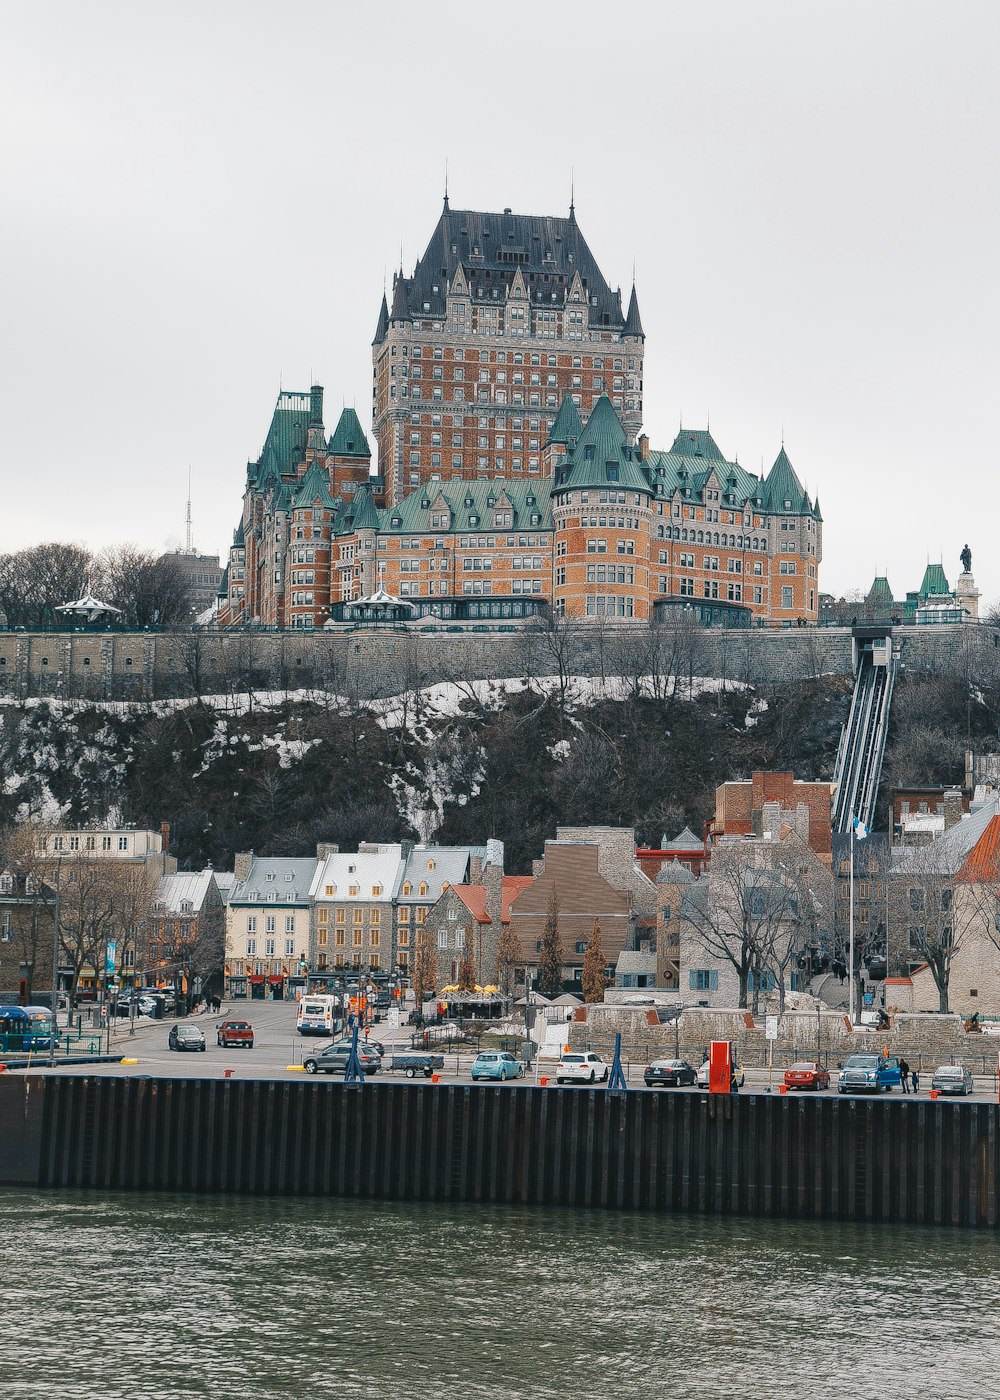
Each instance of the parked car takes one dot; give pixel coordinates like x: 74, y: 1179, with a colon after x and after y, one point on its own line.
x: 375, y: 1045
x: 186, y: 1037
x: 586, y: 1067
x: 236, y: 1033
x: 952, y: 1079
x: 333, y: 1060
x: 807, y: 1074
x: 670, y: 1074
x: 371, y: 1047
x: 740, y: 1076
x: 868, y: 1074
x: 496, y: 1064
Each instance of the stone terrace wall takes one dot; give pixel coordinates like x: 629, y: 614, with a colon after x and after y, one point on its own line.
x: 925, y: 1040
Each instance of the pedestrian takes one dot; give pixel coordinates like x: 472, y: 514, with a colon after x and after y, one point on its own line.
x: 915, y: 1079
x: 904, y: 1075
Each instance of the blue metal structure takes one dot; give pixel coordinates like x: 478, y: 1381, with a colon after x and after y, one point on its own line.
x: 616, y: 1080
x: 354, y: 1074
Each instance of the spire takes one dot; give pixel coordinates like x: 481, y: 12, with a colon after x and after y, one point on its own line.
x: 572, y: 195
x: 400, y: 307
x: 633, y: 321
x: 446, y: 206
x: 383, y: 321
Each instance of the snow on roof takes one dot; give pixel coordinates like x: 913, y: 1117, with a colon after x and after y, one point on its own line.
x: 185, y: 888
x: 363, y: 871
x: 276, y: 880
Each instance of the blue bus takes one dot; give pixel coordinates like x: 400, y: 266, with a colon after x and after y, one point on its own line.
x: 25, y: 1029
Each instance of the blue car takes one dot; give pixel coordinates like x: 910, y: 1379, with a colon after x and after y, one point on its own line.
x: 868, y: 1074
x: 496, y: 1064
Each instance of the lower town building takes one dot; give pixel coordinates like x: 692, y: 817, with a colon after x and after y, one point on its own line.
x: 591, y: 874
x: 267, y: 927
x: 185, y: 934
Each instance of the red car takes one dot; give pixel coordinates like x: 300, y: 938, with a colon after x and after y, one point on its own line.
x: 236, y: 1033
x: 807, y: 1074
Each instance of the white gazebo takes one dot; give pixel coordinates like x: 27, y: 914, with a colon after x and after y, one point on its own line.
x: 88, y: 609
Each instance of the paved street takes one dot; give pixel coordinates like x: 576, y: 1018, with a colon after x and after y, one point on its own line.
x: 279, y: 1050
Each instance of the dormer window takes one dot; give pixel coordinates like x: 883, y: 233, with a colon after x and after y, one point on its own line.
x: 432, y: 865
x: 406, y: 888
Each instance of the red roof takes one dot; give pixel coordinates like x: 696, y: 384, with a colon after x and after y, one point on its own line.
x: 983, y: 861
x: 474, y: 897
x: 513, y: 885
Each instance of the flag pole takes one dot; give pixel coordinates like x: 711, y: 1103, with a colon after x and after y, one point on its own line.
x: 851, y: 923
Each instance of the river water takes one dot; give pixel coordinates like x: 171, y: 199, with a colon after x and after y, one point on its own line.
x: 170, y: 1296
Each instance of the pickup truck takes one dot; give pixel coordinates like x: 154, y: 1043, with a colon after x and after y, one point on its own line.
x: 868, y: 1074
x: 414, y: 1062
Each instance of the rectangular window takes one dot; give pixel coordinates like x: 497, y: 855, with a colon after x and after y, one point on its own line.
x: 702, y: 979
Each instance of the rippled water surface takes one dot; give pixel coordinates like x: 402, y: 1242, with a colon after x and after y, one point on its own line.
x: 175, y: 1296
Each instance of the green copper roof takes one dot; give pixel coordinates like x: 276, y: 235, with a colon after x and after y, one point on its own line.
x: 935, y: 584
x: 783, y: 493
x: 696, y: 442
x: 286, y: 437
x: 880, y: 592
x: 313, y: 487
x: 602, y: 456
x: 471, y: 505
x: 568, y: 423
x: 349, y: 437
x: 360, y: 512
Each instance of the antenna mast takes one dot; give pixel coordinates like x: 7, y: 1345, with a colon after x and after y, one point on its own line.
x: 188, y: 547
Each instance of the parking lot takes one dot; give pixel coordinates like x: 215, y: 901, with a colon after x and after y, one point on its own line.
x: 279, y: 1051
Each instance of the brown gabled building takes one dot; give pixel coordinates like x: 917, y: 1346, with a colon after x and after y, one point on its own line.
x: 593, y: 874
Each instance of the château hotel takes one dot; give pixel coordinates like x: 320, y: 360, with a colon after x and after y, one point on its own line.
x: 512, y: 481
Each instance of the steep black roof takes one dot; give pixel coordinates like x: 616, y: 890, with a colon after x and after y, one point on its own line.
x: 491, y: 247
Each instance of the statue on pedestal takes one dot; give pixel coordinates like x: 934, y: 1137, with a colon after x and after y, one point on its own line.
x: 966, y: 558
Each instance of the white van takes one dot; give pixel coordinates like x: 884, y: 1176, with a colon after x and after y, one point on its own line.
x: 319, y: 1015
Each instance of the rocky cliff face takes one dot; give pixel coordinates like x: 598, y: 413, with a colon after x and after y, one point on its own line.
x: 456, y: 761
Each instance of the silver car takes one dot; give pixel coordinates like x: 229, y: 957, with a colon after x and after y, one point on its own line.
x: 952, y: 1079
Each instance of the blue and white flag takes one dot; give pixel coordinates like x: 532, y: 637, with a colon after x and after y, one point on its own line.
x: 860, y: 830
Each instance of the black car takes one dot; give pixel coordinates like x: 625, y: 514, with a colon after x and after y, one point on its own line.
x: 185, y: 1037
x: 669, y: 1074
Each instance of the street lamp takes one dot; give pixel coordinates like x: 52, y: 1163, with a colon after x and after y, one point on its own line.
x: 56, y: 937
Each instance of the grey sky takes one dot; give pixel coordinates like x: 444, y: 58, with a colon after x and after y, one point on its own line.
x: 202, y: 199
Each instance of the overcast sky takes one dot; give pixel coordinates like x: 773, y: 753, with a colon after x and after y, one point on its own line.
x: 201, y: 202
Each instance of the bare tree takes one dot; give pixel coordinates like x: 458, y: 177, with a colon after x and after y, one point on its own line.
x: 925, y: 901
x: 34, y: 582
x: 749, y: 914
x: 149, y: 590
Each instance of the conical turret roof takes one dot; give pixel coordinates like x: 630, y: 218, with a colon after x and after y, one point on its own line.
x: 348, y: 438
x: 602, y: 456
x: 383, y: 322
x: 568, y: 424
x: 633, y: 322
x: 783, y: 491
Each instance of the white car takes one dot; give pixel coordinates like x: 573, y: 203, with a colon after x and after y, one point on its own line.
x: 584, y: 1066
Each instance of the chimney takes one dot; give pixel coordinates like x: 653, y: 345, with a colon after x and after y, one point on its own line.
x: 493, y: 880
x: 643, y: 447
x: 316, y: 404
x: 164, y: 836
x: 326, y: 848
x: 953, y: 808
x: 242, y: 864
